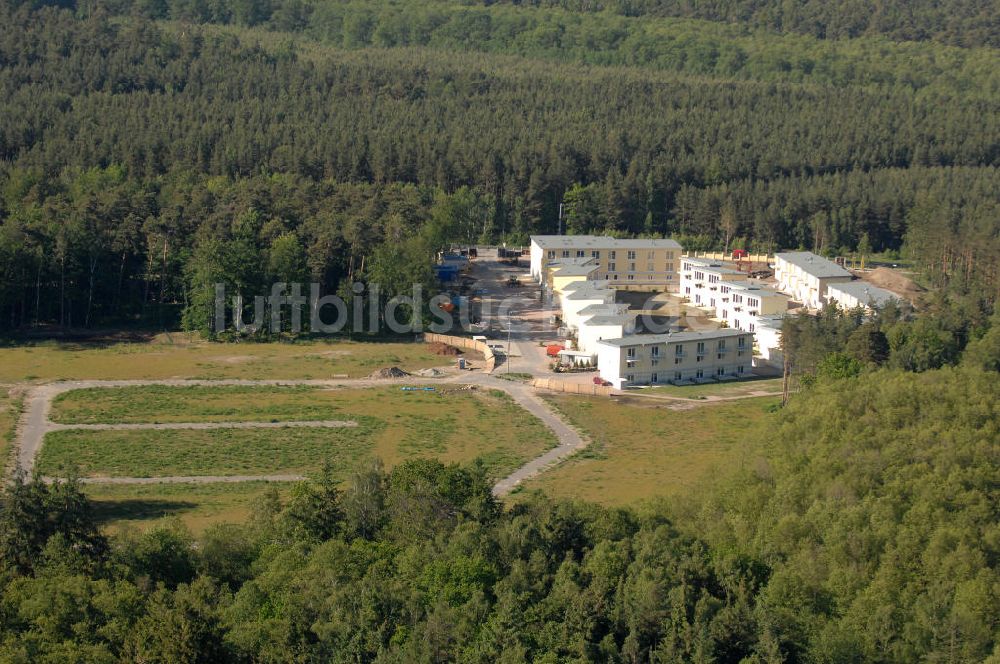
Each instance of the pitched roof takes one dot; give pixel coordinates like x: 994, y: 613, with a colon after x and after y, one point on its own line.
x: 588, y: 294
x: 812, y: 264
x: 649, y: 339
x: 600, y: 242
x: 863, y: 292
x: 574, y: 270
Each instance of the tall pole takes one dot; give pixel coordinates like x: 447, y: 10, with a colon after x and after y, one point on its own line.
x: 508, y: 343
x: 786, y: 371
x: 560, y: 218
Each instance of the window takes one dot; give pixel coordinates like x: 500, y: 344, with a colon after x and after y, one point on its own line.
x: 721, y: 371
x: 565, y: 253
x: 580, y: 253
x: 679, y: 350
x: 697, y: 299
x: 739, y: 369
x: 552, y: 254
x: 711, y: 302
x: 614, y: 277
x: 687, y: 290
x: 722, y: 345
x: 670, y: 267
x: 677, y: 360
x: 678, y: 375
x: 701, y: 347
x: 649, y: 277
x: 630, y: 364
x: 630, y: 352
x: 700, y: 373
x: 631, y: 254
x: 655, y: 362
x: 611, y: 255
x: 742, y: 343
x: 653, y: 378
x: 654, y: 351
x: 670, y: 255
x: 649, y: 267
x: 751, y: 327
x: 595, y: 254
x: 611, y: 267
x: 725, y: 313
x: 713, y: 278
x: 631, y: 277
x: 699, y: 276
x: 631, y: 267
x: 629, y: 378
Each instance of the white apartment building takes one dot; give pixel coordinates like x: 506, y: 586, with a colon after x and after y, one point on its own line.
x: 701, y: 280
x: 628, y: 264
x: 596, y: 328
x: 741, y: 304
x: 678, y: 358
x: 767, y: 342
x: 600, y: 309
x: 572, y: 302
x: 806, y: 276
x: 858, y: 294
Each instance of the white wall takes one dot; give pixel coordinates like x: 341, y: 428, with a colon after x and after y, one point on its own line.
x: 609, y: 359
x: 588, y: 335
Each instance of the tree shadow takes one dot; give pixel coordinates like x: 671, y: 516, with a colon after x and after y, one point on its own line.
x: 138, y: 509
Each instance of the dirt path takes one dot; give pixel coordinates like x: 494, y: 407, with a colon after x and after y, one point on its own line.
x: 132, y: 426
x: 570, y: 440
x: 35, y: 422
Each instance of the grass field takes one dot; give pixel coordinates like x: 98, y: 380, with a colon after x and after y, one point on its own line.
x: 9, y: 410
x: 642, y: 451
x: 176, y: 357
x: 735, y: 388
x: 157, y: 403
x: 451, y: 424
x: 196, y: 505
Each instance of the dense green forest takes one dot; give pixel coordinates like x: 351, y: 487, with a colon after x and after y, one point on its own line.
x: 861, y: 526
x: 151, y: 148
x: 127, y: 145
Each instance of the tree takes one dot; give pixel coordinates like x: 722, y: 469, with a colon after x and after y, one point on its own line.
x: 32, y: 512
x: 838, y: 366
x: 868, y: 344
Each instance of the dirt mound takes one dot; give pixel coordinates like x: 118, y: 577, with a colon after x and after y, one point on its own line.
x: 389, y: 372
x: 430, y: 373
x: 892, y: 280
x: 439, y: 348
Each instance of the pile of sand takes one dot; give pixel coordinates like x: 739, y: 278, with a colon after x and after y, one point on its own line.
x: 892, y: 280
x: 389, y: 372
x: 439, y: 348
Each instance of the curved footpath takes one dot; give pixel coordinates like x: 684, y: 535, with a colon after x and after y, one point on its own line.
x: 35, y: 422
